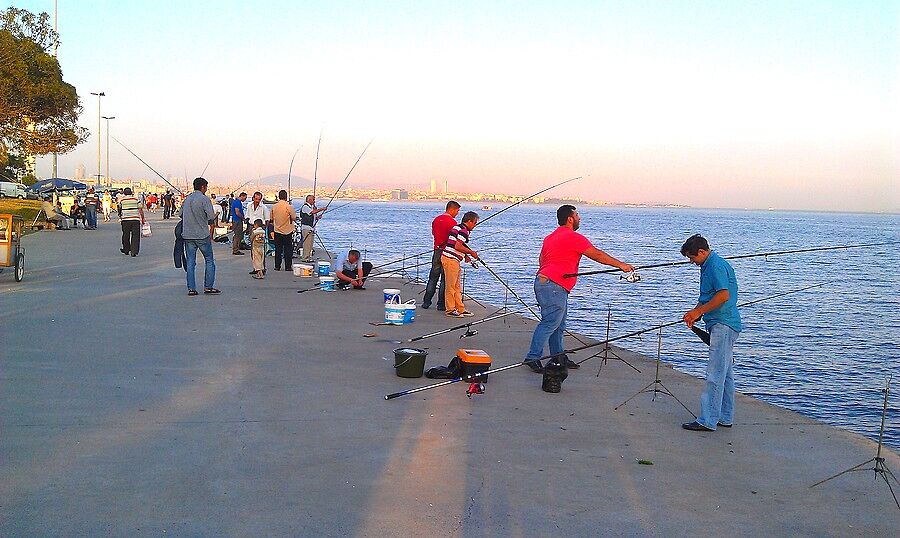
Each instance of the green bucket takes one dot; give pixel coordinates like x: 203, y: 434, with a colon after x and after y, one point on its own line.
x: 409, y: 362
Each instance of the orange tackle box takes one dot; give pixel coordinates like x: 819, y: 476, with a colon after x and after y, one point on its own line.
x: 474, y: 361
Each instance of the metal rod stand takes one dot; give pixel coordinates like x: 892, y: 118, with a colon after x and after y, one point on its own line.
x: 606, y: 351
x: 880, y: 469
x: 657, y: 386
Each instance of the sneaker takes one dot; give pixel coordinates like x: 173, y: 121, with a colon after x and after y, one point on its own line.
x: 238, y: 253
x: 572, y: 364
x: 466, y: 314
x: 696, y: 427
x: 723, y: 425
x: 452, y: 314
x: 426, y: 306
x: 535, y: 366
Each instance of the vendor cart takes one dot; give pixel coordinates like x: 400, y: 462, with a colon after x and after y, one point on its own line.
x: 12, y: 253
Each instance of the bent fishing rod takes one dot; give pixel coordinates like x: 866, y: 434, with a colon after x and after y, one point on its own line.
x: 348, y: 173
x: 290, y: 168
x: 316, y: 167
x: 429, y: 251
x: 523, y: 200
x: 474, y: 377
x: 738, y: 257
x: 147, y: 165
x: 466, y: 326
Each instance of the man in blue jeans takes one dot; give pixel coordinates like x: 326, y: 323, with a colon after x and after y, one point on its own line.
x: 718, y: 308
x: 198, y: 225
x: 560, y: 255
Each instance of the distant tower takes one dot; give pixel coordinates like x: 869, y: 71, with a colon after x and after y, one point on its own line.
x: 433, y: 186
x: 446, y: 190
x: 79, y: 172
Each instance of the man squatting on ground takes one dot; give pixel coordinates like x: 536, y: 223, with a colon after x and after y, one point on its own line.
x: 560, y: 254
x: 131, y: 215
x: 308, y: 218
x: 718, y: 308
x: 198, y: 226
x: 236, y: 214
x: 455, y: 251
x: 350, y: 272
x: 440, y: 230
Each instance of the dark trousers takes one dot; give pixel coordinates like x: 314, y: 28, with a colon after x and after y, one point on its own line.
x: 284, y: 248
x: 131, y: 236
x: 238, y: 227
x: 90, y: 211
x: 167, y: 210
x: 436, y: 273
x: 366, y: 267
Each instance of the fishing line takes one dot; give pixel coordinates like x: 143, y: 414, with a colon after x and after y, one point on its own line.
x: 586, y: 346
x: 290, y: 168
x: 316, y: 168
x: 542, y: 191
x: 350, y: 172
x: 145, y: 164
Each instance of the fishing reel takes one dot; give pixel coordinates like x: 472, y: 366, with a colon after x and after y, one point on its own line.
x: 474, y: 388
x: 631, y: 278
x: 470, y: 332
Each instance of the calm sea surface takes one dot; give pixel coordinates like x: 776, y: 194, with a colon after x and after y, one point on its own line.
x: 825, y: 353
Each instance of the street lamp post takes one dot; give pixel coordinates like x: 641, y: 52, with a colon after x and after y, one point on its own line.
x: 108, y: 176
x: 99, y: 96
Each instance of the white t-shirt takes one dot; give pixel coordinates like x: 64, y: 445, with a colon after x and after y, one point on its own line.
x: 218, y: 210
x: 262, y: 212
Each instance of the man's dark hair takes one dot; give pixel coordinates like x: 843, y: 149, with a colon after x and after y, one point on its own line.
x: 257, y: 222
x: 257, y: 192
x: 127, y: 191
x: 282, y: 194
x: 453, y: 203
x: 469, y: 216
x: 693, y: 245
x: 199, y: 183
x: 563, y: 213
x: 242, y: 194
x: 353, y: 252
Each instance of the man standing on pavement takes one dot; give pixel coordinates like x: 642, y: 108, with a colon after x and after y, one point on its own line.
x: 131, y: 214
x: 168, y: 202
x: 283, y: 217
x: 308, y: 218
x: 454, y: 252
x: 91, y: 201
x: 560, y: 255
x: 236, y: 214
x: 718, y: 308
x: 440, y: 230
x: 198, y: 225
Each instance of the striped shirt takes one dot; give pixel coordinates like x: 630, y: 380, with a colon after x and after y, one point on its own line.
x: 129, y: 208
x: 459, y: 234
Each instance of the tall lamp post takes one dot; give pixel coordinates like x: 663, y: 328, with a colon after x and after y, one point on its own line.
x: 55, y: 55
x: 99, y: 95
x: 108, y: 176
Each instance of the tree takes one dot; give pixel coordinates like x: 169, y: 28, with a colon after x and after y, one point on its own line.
x: 38, y: 109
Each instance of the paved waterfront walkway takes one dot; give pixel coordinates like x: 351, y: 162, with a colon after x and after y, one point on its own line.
x: 128, y: 408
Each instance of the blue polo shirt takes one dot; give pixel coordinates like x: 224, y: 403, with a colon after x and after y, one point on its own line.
x: 236, y: 204
x: 716, y: 274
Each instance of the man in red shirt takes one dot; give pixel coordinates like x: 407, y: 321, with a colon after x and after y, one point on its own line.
x: 440, y: 229
x: 560, y: 255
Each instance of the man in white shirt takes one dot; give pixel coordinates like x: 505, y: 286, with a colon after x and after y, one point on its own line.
x: 217, y: 209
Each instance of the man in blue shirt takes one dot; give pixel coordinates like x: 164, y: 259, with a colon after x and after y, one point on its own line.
x: 236, y: 214
x: 718, y: 308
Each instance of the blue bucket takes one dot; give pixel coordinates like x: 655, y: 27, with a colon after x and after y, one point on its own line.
x: 394, y: 312
x: 326, y: 283
x: 409, y: 313
x: 323, y: 268
x: 390, y: 293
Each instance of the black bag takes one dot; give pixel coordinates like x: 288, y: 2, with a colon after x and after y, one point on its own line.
x: 451, y: 371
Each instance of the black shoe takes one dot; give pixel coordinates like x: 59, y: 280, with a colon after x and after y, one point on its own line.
x: 695, y: 427
x: 572, y: 364
x: 238, y: 253
x: 535, y: 366
x: 426, y: 306
x: 133, y: 255
x: 441, y: 308
x: 252, y: 272
x: 721, y: 425
x: 123, y: 251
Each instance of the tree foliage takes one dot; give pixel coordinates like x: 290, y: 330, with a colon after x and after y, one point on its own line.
x: 38, y: 109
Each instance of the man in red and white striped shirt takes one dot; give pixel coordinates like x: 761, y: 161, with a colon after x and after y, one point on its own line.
x: 455, y: 251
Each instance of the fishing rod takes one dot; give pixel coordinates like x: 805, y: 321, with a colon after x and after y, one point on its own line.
x: 348, y: 173
x: 516, y: 295
x: 316, y: 168
x: 465, y: 326
x: 342, y: 205
x: 429, y: 251
x: 739, y: 257
x: 204, y: 168
x: 145, y: 164
x: 290, y: 168
x: 542, y: 191
x: 242, y: 186
x: 474, y: 377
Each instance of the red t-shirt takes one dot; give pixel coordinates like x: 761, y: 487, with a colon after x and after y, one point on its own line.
x: 440, y: 229
x: 560, y: 255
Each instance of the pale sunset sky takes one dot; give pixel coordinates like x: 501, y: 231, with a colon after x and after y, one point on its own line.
x: 781, y: 104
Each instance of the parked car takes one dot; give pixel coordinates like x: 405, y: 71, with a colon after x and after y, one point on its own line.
x: 10, y: 189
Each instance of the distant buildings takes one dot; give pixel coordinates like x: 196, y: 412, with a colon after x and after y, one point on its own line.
x: 439, y: 186
x: 79, y: 172
x: 399, y: 194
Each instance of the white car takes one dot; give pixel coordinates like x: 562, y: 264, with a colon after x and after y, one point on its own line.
x: 11, y: 189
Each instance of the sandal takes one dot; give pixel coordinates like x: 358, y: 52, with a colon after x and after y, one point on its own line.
x: 191, y: 293
x: 211, y: 291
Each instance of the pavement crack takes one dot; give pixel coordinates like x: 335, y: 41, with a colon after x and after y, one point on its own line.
x: 470, y: 506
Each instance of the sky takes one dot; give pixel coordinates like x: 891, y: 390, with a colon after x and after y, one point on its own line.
x: 789, y: 105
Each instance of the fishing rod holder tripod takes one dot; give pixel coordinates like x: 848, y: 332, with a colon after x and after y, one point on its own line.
x: 880, y: 468
x: 607, y: 350
x: 657, y: 386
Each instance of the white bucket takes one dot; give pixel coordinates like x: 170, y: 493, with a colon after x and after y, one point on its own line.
x: 409, y: 313
x: 394, y: 311
x: 326, y: 283
x: 390, y: 293
x: 324, y: 268
x: 302, y: 269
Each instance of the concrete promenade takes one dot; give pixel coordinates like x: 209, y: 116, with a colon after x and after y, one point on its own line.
x: 128, y: 408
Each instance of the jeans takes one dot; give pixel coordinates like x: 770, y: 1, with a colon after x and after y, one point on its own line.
x: 190, y: 250
x: 238, y: 238
x: 91, y: 214
x: 284, y: 249
x: 366, y: 267
x: 717, y: 399
x: 553, y: 301
x: 437, y: 273
x: 131, y: 236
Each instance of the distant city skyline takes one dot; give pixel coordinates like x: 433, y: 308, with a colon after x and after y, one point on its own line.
x: 769, y: 104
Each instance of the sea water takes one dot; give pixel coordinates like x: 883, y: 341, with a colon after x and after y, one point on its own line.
x: 825, y: 353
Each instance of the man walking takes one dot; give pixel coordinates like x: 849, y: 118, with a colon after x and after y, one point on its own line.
x: 560, y: 255
x: 308, y: 218
x: 131, y: 215
x: 454, y: 252
x: 237, y: 223
x: 198, y: 225
x: 283, y: 217
x: 440, y: 230
x: 718, y: 308
x: 168, y: 202
x: 91, y: 201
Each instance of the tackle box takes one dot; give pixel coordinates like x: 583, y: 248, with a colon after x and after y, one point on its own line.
x: 474, y: 361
